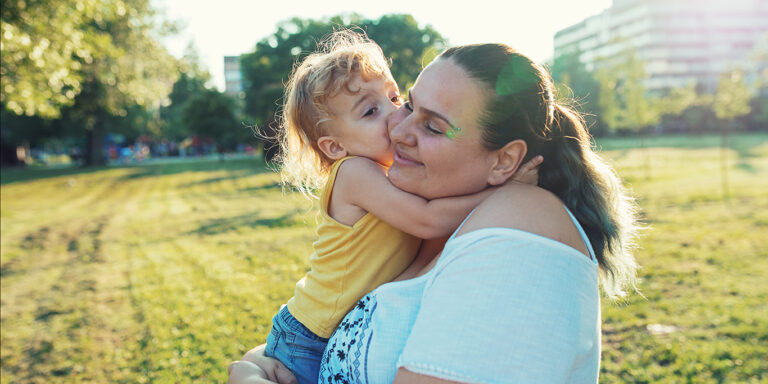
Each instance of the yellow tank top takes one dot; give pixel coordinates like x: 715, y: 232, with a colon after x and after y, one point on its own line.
x: 348, y: 262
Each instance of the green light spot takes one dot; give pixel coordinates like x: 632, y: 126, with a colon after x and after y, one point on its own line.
x: 516, y: 75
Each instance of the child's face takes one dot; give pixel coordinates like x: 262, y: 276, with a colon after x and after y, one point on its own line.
x: 359, y: 125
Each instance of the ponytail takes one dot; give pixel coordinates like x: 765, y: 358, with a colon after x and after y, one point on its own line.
x: 593, y: 192
x: 521, y: 105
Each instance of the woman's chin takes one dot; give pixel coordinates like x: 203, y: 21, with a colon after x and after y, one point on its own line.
x: 401, y: 179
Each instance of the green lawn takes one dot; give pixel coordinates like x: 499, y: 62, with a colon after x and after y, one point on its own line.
x: 166, y: 272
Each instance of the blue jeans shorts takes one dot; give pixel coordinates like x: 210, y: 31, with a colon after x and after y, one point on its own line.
x: 298, y: 348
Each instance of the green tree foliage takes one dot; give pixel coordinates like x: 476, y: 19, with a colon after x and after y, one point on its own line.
x: 267, y: 68
x: 623, y: 97
x: 99, y: 57
x: 409, y: 46
x: 43, y: 55
x: 211, y: 114
x: 192, y: 81
x: 732, y: 97
x: 573, y: 81
x: 730, y: 102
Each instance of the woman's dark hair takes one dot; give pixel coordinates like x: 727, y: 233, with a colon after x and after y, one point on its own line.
x: 522, y: 105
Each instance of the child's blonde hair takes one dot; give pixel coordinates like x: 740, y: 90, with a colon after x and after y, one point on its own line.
x: 320, y: 76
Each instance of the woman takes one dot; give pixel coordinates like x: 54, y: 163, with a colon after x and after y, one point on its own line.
x: 513, y: 297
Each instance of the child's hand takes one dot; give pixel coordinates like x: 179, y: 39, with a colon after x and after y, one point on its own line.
x: 257, y: 368
x: 528, y: 173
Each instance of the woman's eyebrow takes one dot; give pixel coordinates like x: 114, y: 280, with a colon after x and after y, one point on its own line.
x: 429, y: 111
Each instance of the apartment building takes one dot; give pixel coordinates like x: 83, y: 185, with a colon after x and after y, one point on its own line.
x: 233, y: 77
x: 680, y: 41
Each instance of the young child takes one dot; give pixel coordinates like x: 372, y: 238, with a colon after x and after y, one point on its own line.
x: 334, y: 137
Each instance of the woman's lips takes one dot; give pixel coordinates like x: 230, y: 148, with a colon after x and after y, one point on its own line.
x: 405, y: 160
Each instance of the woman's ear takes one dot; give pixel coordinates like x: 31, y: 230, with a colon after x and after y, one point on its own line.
x: 331, y: 148
x: 506, y: 161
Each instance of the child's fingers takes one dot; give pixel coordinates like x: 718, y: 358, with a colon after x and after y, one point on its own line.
x: 284, y: 376
x: 531, y: 164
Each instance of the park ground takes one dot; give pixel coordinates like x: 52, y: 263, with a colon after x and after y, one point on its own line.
x: 167, y: 272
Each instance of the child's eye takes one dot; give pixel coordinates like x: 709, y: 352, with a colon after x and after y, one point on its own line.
x: 397, y: 100
x: 370, y: 111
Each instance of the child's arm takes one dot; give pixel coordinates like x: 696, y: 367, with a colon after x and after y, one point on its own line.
x: 364, y: 183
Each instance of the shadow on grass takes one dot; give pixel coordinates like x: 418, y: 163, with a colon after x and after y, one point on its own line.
x: 265, y: 187
x: 217, y: 226
x: 743, y: 143
x: 19, y: 174
x: 243, y: 167
x: 231, y: 176
x: 248, y: 166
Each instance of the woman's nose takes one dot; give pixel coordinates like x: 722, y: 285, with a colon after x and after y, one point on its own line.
x: 397, y: 125
x: 396, y: 117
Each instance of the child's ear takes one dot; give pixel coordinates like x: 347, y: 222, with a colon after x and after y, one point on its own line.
x: 331, y: 148
x: 506, y: 161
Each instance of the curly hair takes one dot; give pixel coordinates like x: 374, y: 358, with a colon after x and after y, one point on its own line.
x: 320, y: 76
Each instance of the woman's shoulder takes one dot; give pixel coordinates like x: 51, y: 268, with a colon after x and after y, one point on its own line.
x: 526, y: 208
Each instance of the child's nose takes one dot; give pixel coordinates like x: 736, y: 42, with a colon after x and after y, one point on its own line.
x: 395, y: 118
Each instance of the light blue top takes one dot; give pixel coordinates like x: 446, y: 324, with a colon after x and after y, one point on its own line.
x: 500, y: 306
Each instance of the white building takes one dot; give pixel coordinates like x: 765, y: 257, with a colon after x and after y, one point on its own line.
x: 680, y: 41
x: 233, y: 77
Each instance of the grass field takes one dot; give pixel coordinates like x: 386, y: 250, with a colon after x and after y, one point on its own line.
x: 166, y: 272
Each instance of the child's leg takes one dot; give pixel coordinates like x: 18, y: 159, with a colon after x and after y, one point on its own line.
x: 295, y: 346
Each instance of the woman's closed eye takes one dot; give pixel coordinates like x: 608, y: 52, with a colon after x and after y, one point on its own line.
x: 427, y: 124
x: 430, y: 129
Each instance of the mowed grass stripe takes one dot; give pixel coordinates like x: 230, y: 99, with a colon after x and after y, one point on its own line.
x: 73, y: 303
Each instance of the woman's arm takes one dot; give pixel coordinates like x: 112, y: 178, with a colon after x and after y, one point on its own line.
x: 405, y: 376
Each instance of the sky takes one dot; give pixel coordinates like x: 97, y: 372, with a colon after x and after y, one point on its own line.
x: 232, y: 27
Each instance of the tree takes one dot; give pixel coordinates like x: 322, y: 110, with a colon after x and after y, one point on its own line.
x: 574, y: 81
x: 99, y: 58
x: 624, y: 100
x: 623, y: 96
x: 43, y: 54
x: 731, y: 101
x: 267, y: 68
x: 409, y: 46
x: 191, y: 82
x: 211, y: 114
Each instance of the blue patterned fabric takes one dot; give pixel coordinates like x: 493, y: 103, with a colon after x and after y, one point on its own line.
x: 350, y: 343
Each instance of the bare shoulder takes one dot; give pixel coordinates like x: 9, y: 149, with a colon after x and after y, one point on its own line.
x: 353, y: 176
x: 527, y: 208
x: 358, y: 167
x: 358, y: 172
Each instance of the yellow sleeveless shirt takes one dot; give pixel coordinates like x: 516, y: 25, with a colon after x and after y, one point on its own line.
x: 348, y: 262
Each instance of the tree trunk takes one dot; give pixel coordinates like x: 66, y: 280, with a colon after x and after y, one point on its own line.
x: 724, y: 161
x: 646, y: 152
x: 95, y: 148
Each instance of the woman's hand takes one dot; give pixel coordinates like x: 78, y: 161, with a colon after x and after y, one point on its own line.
x: 528, y: 173
x: 256, y: 368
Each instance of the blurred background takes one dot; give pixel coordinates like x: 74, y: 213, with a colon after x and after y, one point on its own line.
x: 146, y: 237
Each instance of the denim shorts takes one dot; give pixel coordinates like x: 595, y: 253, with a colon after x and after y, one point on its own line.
x: 298, y: 348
